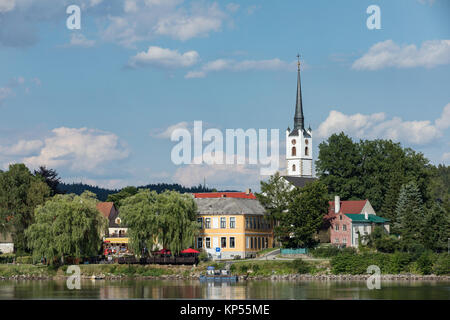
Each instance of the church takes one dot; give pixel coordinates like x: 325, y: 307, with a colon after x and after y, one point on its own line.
x: 299, y: 152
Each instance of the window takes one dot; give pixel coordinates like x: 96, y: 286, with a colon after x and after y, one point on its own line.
x: 251, y: 243
x: 207, y: 223
x: 259, y: 222
x: 232, y: 222
x: 336, y: 240
x: 199, y: 242
x: 340, y: 217
x: 337, y: 227
x: 294, y: 151
x: 208, y: 242
x: 223, y: 242
x: 254, y: 222
x: 247, y: 241
x: 344, y: 240
x: 247, y: 224
x: 232, y: 242
x: 223, y: 222
x: 306, y: 141
x: 267, y: 242
x: 259, y: 242
x: 294, y: 142
x: 306, y: 151
x: 200, y: 222
x: 344, y: 227
x: 293, y: 167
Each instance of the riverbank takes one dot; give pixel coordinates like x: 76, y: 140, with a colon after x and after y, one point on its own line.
x: 276, y: 270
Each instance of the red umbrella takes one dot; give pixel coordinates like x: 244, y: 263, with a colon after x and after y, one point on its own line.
x: 190, y: 251
x: 164, y: 251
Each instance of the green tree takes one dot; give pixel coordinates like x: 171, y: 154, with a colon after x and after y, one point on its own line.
x: 118, y: 197
x: 436, y: 230
x: 304, y: 217
x: 20, y: 193
x: 274, y: 196
x: 339, y: 166
x: 66, y: 226
x: 50, y: 177
x: 409, y: 216
x: 168, y: 219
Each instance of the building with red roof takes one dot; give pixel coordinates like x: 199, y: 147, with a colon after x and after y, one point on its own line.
x: 351, y: 220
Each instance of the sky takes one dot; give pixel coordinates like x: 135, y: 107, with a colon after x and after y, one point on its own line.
x: 99, y: 103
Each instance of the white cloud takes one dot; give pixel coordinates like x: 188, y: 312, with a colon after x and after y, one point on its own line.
x: 79, y: 150
x: 237, y: 66
x: 233, y: 7
x: 130, y: 6
x: 389, y: 54
x: 7, y: 5
x: 446, y: 157
x: 5, y: 92
x: 22, y: 148
x: 161, y: 57
x: 376, y: 125
x: 183, y: 26
x: 79, y: 40
x: 167, y: 133
x: 14, y: 85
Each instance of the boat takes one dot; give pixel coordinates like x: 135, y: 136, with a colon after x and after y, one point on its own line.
x: 218, y: 275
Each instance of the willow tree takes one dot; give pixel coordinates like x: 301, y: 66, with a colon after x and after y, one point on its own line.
x: 176, y: 220
x: 66, y: 226
x: 168, y: 219
x: 138, y: 213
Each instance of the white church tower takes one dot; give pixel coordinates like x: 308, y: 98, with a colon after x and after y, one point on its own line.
x: 299, y: 140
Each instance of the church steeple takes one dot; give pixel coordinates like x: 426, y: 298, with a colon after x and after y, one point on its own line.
x: 299, y: 120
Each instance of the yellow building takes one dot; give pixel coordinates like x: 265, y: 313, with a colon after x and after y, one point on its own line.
x: 232, y: 224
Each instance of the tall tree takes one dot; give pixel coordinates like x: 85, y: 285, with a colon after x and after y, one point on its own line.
x: 20, y: 193
x: 436, y: 231
x: 304, y: 217
x: 409, y: 216
x: 50, y: 177
x: 66, y: 226
x: 274, y: 196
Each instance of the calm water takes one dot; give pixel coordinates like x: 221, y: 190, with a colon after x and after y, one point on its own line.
x: 167, y: 289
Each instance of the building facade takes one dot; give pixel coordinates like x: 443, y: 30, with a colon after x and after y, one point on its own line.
x: 351, y: 221
x: 233, y: 224
x: 116, y: 240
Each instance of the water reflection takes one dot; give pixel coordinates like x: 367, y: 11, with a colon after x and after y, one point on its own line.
x: 193, y: 289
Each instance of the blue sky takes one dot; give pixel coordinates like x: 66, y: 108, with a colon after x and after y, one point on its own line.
x: 96, y: 103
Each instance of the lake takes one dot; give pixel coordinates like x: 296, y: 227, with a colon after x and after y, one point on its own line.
x: 193, y: 289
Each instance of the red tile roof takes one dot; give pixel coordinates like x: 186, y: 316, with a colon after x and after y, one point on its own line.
x: 351, y: 206
x: 105, y: 208
x: 242, y: 195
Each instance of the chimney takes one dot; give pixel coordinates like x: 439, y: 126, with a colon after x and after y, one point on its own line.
x: 337, y: 204
x: 366, y: 215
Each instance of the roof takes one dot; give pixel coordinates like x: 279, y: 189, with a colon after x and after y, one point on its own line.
x: 241, y: 195
x: 105, y: 208
x: 350, y: 206
x: 299, y: 182
x: 370, y: 218
x: 229, y: 206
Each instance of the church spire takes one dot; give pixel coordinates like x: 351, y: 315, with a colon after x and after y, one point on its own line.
x: 299, y: 121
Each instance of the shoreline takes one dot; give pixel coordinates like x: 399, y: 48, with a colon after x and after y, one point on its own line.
x: 290, y: 277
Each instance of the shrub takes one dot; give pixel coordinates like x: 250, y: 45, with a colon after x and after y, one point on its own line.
x: 301, y: 266
x: 399, y: 262
x: 243, y: 268
x: 203, y: 256
x: 325, y: 252
x: 7, y: 258
x: 442, y: 264
x: 425, y: 263
x: 24, y: 260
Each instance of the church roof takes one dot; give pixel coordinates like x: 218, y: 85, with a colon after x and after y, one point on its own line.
x: 299, y: 182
